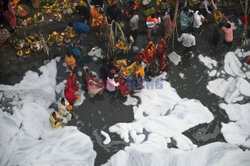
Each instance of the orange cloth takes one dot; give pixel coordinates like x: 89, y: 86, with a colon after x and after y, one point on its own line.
x: 112, y: 2
x: 150, y: 19
x: 70, y: 61
x: 162, y: 46
x: 98, y: 20
x: 151, y: 52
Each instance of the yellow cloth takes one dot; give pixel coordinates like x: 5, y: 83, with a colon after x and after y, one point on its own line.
x: 53, y: 121
x: 15, y: 1
x: 98, y: 20
x: 70, y: 61
x: 138, y: 69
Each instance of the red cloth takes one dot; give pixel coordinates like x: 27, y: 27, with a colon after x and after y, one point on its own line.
x: 69, y: 94
x: 72, y: 82
x: 142, y: 56
x: 123, y: 87
x: 248, y: 60
x: 244, y: 20
x: 164, y: 62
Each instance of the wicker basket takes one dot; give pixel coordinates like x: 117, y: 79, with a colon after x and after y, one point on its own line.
x: 36, y: 3
x: 25, y: 7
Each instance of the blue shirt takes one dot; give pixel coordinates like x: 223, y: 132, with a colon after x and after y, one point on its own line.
x: 81, y: 27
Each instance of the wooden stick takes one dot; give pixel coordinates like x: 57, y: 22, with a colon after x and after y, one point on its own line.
x: 174, y: 24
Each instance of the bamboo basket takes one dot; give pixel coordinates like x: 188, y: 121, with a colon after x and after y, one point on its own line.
x: 36, y: 3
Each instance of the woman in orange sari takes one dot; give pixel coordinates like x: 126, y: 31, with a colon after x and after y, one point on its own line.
x: 151, y: 52
x: 164, y: 64
x: 70, y: 61
x: 98, y: 19
x: 162, y: 46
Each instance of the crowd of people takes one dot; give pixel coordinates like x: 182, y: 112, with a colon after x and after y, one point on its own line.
x: 117, y: 77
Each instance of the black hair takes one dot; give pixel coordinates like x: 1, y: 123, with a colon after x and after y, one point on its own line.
x: 62, y: 100
x: 199, y: 11
x: 114, y: 6
x: 131, y: 3
x: 131, y: 12
x: 111, y: 75
x: 68, y: 53
x: 189, y: 30
x: 139, y: 60
x: 185, y: 9
x: 171, y: 14
x: 54, y: 113
x: 220, y: 25
x: 5, y: 5
x: 228, y: 25
x: 190, y: 14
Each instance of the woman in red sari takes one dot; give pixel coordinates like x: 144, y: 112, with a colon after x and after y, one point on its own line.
x: 69, y: 94
x: 72, y: 82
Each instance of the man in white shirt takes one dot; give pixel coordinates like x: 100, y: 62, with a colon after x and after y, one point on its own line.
x: 63, y: 108
x: 187, y: 40
x: 134, y: 24
x: 198, y: 19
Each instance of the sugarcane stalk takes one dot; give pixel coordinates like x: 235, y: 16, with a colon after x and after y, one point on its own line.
x: 46, y: 48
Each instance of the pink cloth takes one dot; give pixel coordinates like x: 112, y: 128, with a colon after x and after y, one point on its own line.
x: 167, y: 25
x: 228, y: 33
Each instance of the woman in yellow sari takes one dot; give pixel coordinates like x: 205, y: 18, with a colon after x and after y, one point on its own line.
x: 98, y: 21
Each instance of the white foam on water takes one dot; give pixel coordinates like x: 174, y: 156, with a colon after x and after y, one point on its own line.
x: 60, y: 86
x: 238, y: 131
x: 212, y: 73
x: 207, y: 61
x: 159, y: 110
x: 58, y: 59
x: 232, y: 65
x: 152, y: 154
x: 130, y: 101
x: 107, y: 137
x: 96, y: 53
x: 175, y: 58
x: 27, y: 137
x: 182, y: 75
x: 236, y: 86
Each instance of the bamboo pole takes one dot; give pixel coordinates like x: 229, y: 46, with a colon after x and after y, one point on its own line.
x: 174, y: 24
x: 244, y: 32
